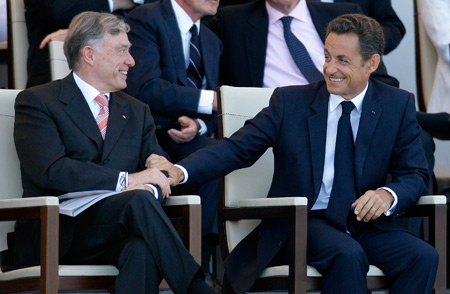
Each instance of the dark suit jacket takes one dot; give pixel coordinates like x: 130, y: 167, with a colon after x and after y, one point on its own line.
x: 47, y: 16
x: 382, y: 11
x: 159, y: 76
x: 295, y: 124
x: 70, y: 155
x: 243, y: 30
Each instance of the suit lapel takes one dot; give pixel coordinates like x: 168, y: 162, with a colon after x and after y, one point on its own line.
x: 119, y: 115
x: 256, y: 43
x: 207, y: 56
x: 317, y: 125
x: 370, y: 116
x: 320, y: 22
x: 78, y: 110
x: 173, y: 34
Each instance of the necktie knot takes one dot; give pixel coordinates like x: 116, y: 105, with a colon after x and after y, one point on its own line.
x: 193, y: 30
x: 347, y: 107
x: 286, y: 20
x: 101, y: 100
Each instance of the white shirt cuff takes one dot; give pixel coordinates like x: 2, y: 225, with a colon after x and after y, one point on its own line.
x: 203, y: 127
x: 184, y: 172
x: 394, y: 204
x: 155, y: 190
x: 205, y: 102
x: 111, y: 5
x: 122, y: 181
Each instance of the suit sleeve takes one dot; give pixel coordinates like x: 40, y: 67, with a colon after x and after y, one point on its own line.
x: 393, y: 28
x: 241, y: 150
x: 408, y: 163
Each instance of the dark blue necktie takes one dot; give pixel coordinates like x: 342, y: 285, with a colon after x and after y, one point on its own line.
x: 299, y: 53
x: 343, y: 190
x: 195, y: 69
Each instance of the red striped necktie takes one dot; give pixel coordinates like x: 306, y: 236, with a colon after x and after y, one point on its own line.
x: 103, y: 115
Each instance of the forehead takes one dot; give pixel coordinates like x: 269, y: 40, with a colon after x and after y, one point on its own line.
x: 342, y: 43
x: 119, y: 40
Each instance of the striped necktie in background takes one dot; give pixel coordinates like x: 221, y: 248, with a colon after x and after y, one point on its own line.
x: 195, y: 68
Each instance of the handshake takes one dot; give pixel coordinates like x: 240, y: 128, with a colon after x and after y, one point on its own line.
x: 176, y: 175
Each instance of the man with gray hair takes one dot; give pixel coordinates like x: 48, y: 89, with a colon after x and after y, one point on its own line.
x: 81, y: 133
x: 334, y: 141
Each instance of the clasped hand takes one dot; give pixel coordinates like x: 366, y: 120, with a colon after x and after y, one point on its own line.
x: 161, y: 163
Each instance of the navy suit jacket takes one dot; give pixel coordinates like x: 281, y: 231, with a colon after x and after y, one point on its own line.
x: 382, y: 11
x: 294, y: 124
x: 243, y: 30
x: 159, y: 76
x: 70, y: 155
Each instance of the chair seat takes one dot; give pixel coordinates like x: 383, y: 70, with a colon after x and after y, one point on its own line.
x: 182, y: 200
x: 275, y: 201
x: 283, y: 271
x: 64, y: 271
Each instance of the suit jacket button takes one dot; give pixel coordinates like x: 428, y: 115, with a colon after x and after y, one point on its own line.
x: 280, y: 244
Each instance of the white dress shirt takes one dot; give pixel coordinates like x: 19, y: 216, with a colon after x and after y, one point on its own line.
x: 280, y: 69
x: 89, y: 94
x: 334, y: 114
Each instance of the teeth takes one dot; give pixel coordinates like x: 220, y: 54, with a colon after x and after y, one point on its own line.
x: 124, y: 72
x: 336, y: 80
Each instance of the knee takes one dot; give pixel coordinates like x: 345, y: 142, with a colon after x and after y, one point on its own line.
x: 426, y: 257
x: 354, y: 256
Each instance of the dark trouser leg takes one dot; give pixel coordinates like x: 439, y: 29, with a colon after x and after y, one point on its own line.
x: 134, y: 254
x: 338, y: 257
x: 409, y: 260
x: 134, y: 213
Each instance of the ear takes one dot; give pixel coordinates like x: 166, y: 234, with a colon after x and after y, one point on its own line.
x: 87, y: 55
x: 373, y: 62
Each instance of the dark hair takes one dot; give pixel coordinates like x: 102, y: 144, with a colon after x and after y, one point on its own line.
x: 87, y: 29
x: 369, y: 31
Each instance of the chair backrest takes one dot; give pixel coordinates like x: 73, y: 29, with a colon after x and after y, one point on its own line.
x: 17, y: 45
x: 426, y: 59
x: 10, y: 179
x: 236, y: 106
x: 59, y: 67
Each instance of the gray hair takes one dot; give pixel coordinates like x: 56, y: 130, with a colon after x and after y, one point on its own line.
x: 87, y: 29
x: 369, y: 31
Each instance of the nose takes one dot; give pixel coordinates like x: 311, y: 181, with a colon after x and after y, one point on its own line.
x: 329, y: 68
x: 129, y: 60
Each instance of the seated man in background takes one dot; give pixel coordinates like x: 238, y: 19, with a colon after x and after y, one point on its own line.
x: 80, y: 133
x: 335, y: 142
x: 176, y: 73
x: 260, y: 41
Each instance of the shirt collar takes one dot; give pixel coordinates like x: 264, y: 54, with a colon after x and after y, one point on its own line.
x: 88, y: 91
x: 300, y: 12
x: 335, y: 100
x: 184, y: 20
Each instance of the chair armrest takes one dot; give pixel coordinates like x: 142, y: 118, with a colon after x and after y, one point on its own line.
x: 182, y: 200
x: 432, y: 200
x: 275, y: 201
x: 29, y: 202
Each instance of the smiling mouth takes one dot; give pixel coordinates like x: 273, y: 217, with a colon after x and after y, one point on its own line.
x: 336, y: 79
x: 124, y: 72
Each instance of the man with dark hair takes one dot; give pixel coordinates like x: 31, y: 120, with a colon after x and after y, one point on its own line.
x: 81, y: 133
x: 334, y: 141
